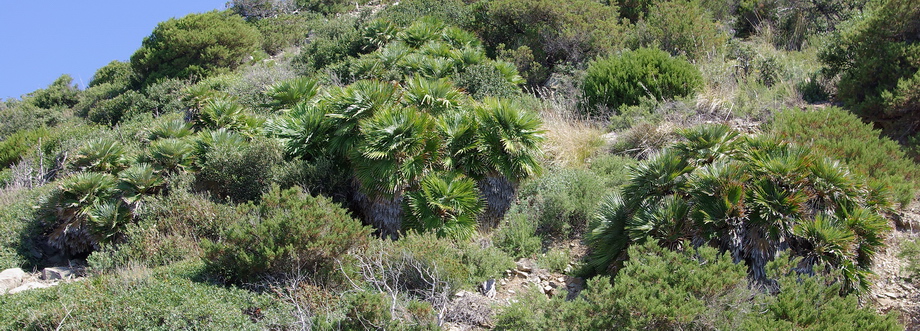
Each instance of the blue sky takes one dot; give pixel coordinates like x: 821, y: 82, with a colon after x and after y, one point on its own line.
x: 41, y: 40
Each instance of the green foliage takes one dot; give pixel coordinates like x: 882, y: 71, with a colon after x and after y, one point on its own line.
x: 517, y: 236
x: 195, y: 46
x: 289, y: 93
x: 452, y: 12
x: 332, y: 42
x: 875, y: 57
x: 62, y: 93
x: 238, y: 171
x: 681, y: 27
x: 19, y: 115
x: 694, y: 288
x: 114, y: 110
x: 170, y: 155
x: 445, y: 204
x: 140, y: 299
x: 627, y: 78
x: 841, y: 135
x: 83, y: 212
x: 117, y: 73
x: 283, y: 31
x: 15, y: 146
x: 562, y: 202
x: 792, y: 22
x: 102, y: 155
x: 910, y: 251
x: 556, y: 32
x: 744, y: 196
x: 485, y: 80
x: 287, y: 232
x: 17, y: 224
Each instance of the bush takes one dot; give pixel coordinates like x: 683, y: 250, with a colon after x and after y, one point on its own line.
x: 62, y: 93
x: 484, y: 80
x: 141, y: 298
x: 694, y: 289
x: 717, y: 185
x: 681, y: 27
x: 910, y: 251
x: 283, y: 31
x: 288, y: 232
x: 556, y: 31
x: 197, y: 45
x: 841, y: 135
x: 517, y: 236
x: 561, y: 202
x: 627, y: 78
x: 875, y: 58
x: 239, y: 172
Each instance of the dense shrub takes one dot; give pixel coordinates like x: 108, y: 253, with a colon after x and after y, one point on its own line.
x: 239, y: 172
x: 910, y: 251
x: 18, y: 115
x: 876, y: 60
x: 561, y: 202
x: 485, y: 80
x: 141, y: 298
x: 196, y: 45
x: 681, y: 27
x: 556, y: 32
x: 62, y: 93
x: 644, y: 73
x: 117, y: 73
x: 517, y: 236
x: 283, y: 31
x: 693, y: 289
x: 792, y: 22
x: 841, y: 135
x: 288, y: 232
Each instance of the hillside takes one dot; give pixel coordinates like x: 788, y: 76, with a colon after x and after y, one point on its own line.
x: 494, y: 164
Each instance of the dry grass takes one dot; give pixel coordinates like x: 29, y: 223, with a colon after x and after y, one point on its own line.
x: 571, y: 138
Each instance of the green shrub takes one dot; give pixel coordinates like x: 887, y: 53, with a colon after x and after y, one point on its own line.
x: 517, y: 236
x: 117, y: 73
x: 288, y: 232
x: 694, y: 289
x: 239, y: 172
x: 114, y: 110
x: 62, y: 93
x: 139, y: 298
x: 910, y: 251
x: 841, y: 135
x: 627, y: 78
x: 451, y: 12
x: 485, y: 80
x: 570, y: 31
x: 681, y: 27
x: 18, y: 115
x: 283, y: 31
x: 18, y: 225
x: 197, y: 45
x: 561, y: 202
x: 15, y: 146
x: 875, y: 59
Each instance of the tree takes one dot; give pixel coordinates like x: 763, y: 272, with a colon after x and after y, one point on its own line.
x: 195, y: 46
x: 62, y: 93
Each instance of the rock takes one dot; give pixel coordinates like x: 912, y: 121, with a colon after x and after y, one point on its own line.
x: 553, y: 284
x: 54, y: 273
x: 11, y: 278
x: 30, y: 286
x: 521, y: 273
x: 510, y: 291
x: 525, y: 265
x: 460, y: 294
x: 488, y: 288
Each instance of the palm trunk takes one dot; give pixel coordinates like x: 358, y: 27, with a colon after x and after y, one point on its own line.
x: 498, y: 192
x: 383, y: 213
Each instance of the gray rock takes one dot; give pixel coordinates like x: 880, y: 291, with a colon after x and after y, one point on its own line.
x: 488, y: 288
x: 11, y: 278
x: 525, y: 265
x: 55, y: 273
x: 30, y: 286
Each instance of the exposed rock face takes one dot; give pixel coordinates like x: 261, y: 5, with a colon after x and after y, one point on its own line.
x: 30, y: 286
x: 11, y: 279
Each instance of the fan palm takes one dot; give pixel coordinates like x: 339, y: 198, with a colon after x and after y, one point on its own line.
x: 288, y: 93
x: 304, y: 132
x: 397, y: 147
x: 103, y: 155
x: 225, y: 113
x: 752, y: 197
x: 434, y: 96
x: 171, y: 129
x: 71, y: 206
x: 171, y: 155
x: 139, y: 180
x: 378, y: 33
x: 445, y: 204
x: 421, y: 32
x: 346, y: 107
x: 509, y: 140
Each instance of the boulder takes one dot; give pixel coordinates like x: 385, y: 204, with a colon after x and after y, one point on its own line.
x: 11, y: 278
x: 30, y: 286
x: 55, y: 273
